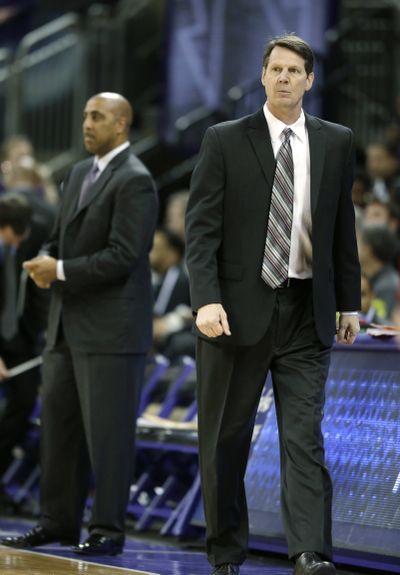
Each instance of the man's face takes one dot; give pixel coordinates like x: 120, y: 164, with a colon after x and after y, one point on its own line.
x: 10, y: 238
x: 285, y: 80
x: 102, y: 128
x: 380, y: 164
x: 376, y: 214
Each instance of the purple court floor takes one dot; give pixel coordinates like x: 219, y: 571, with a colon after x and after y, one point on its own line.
x: 164, y: 557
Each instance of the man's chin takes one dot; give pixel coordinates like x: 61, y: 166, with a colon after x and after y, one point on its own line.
x: 90, y: 146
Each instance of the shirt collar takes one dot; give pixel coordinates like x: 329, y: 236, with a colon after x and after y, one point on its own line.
x: 103, y: 162
x: 276, y: 126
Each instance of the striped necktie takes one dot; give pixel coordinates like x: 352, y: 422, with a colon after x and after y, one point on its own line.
x: 277, y: 244
x: 88, y: 182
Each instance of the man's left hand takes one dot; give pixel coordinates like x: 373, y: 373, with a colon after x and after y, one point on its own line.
x: 42, y: 270
x: 348, y: 328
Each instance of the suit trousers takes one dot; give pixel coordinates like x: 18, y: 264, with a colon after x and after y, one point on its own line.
x: 230, y: 383
x: 89, y: 408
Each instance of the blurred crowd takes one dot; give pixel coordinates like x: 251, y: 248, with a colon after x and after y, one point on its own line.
x: 376, y: 197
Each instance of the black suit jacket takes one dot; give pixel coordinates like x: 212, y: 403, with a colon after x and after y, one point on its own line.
x: 227, y: 220
x: 106, y: 301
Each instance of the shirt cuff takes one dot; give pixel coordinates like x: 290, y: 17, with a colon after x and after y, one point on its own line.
x: 348, y: 312
x: 60, y: 271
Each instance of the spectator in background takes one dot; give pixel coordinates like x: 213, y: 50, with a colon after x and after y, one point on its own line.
x: 172, y: 320
x: 361, y: 191
x: 175, y: 212
x: 369, y: 312
x: 19, y: 169
x: 23, y: 317
x: 377, y: 249
x: 382, y: 168
x: 16, y: 18
x: 378, y: 212
x: 27, y: 174
x: 12, y: 149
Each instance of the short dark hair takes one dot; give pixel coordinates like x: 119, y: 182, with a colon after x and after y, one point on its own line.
x: 173, y: 241
x: 382, y: 242
x: 293, y: 43
x: 16, y: 212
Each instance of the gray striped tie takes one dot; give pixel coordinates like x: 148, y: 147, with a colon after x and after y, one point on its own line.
x: 277, y: 244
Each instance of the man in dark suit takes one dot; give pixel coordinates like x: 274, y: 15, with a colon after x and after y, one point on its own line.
x: 271, y: 253
x: 98, y: 335
x: 23, y: 317
x: 172, y: 321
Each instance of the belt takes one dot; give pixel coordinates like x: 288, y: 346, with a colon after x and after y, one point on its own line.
x: 293, y: 283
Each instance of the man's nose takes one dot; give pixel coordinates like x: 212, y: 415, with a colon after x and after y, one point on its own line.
x: 283, y: 77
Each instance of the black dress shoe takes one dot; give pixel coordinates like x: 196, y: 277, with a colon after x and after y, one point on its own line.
x: 97, y: 544
x: 226, y: 569
x: 35, y: 538
x: 309, y: 563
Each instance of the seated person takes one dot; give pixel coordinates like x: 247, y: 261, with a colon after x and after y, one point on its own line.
x: 377, y: 249
x: 371, y: 310
x: 23, y: 318
x: 172, y: 312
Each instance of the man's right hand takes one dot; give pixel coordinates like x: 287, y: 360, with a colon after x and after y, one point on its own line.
x: 3, y: 370
x: 212, y: 320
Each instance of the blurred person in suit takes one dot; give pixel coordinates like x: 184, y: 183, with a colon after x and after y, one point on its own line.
x: 175, y: 212
x: 265, y: 299
x: 98, y: 335
x: 172, y: 321
x: 382, y: 165
x: 20, y: 170
x: 378, y: 246
x: 369, y: 307
x: 23, y: 317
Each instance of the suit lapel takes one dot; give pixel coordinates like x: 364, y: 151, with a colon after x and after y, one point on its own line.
x: 72, y: 210
x: 260, y: 139
x: 72, y: 190
x: 94, y: 191
x: 316, y: 138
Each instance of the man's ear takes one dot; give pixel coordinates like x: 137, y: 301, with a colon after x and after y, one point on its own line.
x: 309, y: 81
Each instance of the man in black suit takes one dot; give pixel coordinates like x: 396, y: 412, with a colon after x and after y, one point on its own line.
x: 272, y: 255
x: 98, y: 335
x: 23, y: 317
x: 172, y: 321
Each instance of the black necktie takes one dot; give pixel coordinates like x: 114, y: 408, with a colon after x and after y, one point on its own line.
x: 87, y: 183
x: 275, y: 265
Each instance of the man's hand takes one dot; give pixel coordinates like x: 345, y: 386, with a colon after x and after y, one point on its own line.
x: 348, y: 328
x: 42, y: 270
x: 212, y: 320
x: 3, y: 370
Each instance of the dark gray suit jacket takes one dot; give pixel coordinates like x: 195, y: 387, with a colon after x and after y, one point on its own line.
x: 227, y: 220
x: 106, y: 301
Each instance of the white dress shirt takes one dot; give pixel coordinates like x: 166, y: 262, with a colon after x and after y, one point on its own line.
x: 102, y: 163
x: 299, y: 264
